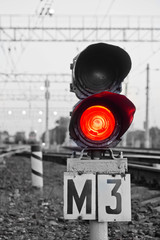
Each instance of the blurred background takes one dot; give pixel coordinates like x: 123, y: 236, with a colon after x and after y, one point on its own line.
x: 38, y: 41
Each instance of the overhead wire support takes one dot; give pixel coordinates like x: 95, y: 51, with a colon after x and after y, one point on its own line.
x: 35, y: 77
x: 80, y: 28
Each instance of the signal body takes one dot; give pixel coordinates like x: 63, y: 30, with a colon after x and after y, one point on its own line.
x: 103, y: 115
x: 99, y: 67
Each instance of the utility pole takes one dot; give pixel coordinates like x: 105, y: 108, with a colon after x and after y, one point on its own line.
x: 124, y: 138
x: 147, y: 143
x: 47, y: 96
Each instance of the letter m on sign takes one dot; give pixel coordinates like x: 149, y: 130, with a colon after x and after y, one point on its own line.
x: 79, y: 196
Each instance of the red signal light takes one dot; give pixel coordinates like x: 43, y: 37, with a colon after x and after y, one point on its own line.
x: 100, y: 120
x: 97, y: 123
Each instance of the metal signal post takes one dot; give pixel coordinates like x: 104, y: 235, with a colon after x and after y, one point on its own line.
x: 97, y: 188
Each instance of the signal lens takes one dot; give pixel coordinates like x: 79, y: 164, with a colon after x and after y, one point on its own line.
x: 97, y: 123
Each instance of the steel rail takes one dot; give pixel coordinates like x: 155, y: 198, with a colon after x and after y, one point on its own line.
x: 12, y: 151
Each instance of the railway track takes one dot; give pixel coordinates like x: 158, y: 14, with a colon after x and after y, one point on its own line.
x: 145, y: 203
x: 146, y: 175
x: 8, y: 151
x: 149, y: 199
x: 143, y: 164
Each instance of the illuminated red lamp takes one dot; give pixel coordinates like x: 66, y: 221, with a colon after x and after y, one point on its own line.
x: 97, y: 123
x: 101, y: 119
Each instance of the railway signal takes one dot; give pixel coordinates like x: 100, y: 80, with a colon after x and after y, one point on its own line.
x: 99, y: 190
x: 103, y: 115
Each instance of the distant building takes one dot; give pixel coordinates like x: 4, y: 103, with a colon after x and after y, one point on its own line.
x: 20, y: 138
x: 32, y: 138
x: 4, y: 137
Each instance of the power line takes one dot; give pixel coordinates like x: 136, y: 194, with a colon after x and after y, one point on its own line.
x: 107, y: 12
x: 66, y: 29
x: 144, y: 61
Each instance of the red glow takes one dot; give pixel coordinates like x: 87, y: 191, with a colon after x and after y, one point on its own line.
x: 97, y: 123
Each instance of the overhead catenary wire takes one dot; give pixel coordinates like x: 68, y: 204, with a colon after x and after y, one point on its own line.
x: 144, y: 62
x: 107, y: 12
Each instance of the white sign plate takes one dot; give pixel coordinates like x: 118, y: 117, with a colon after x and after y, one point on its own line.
x: 114, y: 198
x: 79, y: 196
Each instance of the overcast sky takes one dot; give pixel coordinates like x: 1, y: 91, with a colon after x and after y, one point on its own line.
x: 56, y: 57
x: 127, y: 7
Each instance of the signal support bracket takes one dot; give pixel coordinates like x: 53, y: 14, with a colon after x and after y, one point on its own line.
x: 98, y: 154
x: 120, y: 156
